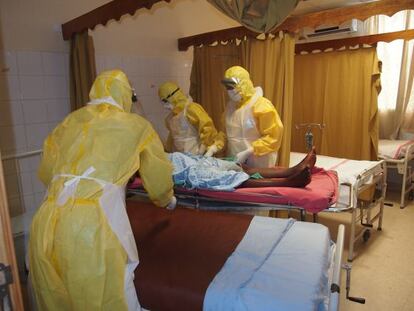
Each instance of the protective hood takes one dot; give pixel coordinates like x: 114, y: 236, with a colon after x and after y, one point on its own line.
x: 112, y: 84
x: 242, y: 82
x: 171, y: 92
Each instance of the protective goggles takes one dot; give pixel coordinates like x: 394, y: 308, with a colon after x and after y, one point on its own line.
x: 165, y: 100
x: 230, y: 83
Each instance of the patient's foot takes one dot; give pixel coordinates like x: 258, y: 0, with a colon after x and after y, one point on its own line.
x: 301, y: 179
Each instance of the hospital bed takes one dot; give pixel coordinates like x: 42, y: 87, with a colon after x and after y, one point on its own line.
x: 193, y: 260
x: 398, y: 154
x: 359, y: 181
x: 320, y: 193
x: 362, y: 186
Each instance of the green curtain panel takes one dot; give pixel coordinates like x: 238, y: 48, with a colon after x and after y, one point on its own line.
x: 82, y: 69
x: 257, y: 15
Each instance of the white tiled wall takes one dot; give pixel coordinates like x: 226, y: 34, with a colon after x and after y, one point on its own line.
x: 145, y: 75
x: 34, y: 97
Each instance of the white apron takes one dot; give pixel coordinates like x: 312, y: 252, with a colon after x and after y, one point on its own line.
x: 242, y: 131
x: 185, y: 135
x: 112, y: 202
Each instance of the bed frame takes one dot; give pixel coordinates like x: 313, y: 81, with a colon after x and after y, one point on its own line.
x: 368, y: 192
x: 334, y: 279
x: 360, y: 209
x: 404, y: 168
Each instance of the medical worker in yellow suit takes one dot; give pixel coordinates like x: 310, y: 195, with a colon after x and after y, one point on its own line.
x: 190, y: 128
x: 253, y: 126
x: 82, y: 250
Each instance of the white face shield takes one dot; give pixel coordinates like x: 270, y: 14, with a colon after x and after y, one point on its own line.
x: 234, y: 95
x: 167, y: 105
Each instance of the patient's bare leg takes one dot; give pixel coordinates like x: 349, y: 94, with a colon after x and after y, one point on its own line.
x: 279, y: 172
x: 299, y: 180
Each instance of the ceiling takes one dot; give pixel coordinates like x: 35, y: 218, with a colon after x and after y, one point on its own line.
x: 307, y: 6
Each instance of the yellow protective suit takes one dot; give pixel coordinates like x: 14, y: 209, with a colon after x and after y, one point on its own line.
x: 252, y: 122
x: 197, y: 136
x: 82, y: 249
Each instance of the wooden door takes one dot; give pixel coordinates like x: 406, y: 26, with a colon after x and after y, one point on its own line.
x: 7, y: 254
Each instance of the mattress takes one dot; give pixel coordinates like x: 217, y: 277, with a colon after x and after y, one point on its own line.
x: 194, y: 260
x: 318, y: 195
x: 347, y: 171
x: 393, y: 149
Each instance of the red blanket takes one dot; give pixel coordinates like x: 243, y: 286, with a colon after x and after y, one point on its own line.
x: 318, y: 195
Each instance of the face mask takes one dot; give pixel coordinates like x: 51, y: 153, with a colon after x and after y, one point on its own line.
x: 234, y: 95
x: 167, y: 106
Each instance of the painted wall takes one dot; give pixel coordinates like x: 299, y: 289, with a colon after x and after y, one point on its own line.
x: 34, y: 77
x: 34, y: 73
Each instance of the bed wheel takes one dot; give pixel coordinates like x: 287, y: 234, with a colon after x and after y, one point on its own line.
x: 366, y: 235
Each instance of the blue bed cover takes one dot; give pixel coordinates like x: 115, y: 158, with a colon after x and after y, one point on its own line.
x: 280, y: 264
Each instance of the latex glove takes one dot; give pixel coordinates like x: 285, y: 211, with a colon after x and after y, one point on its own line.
x: 172, y: 204
x: 211, y: 150
x: 202, y: 149
x: 242, y: 156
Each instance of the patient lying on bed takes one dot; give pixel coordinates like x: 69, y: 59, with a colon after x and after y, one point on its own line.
x: 199, y: 172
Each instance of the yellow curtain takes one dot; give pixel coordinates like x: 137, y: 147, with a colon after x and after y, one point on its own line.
x: 271, y: 66
x: 82, y: 69
x: 339, y: 89
x: 209, y: 64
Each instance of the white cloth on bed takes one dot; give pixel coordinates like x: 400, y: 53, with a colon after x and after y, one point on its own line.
x: 280, y: 264
x: 195, y: 171
x: 347, y: 170
x: 393, y: 149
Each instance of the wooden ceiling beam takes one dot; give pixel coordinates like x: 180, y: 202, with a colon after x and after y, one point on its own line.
x: 295, y: 23
x: 103, y: 14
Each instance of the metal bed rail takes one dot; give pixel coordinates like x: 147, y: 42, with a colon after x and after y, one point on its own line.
x: 197, y: 201
x: 376, y: 176
x: 336, y: 274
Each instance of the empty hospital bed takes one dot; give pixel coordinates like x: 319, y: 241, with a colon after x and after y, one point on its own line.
x: 194, y: 260
x: 398, y: 154
x: 362, y: 186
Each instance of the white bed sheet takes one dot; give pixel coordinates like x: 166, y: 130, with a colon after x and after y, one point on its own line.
x: 393, y: 149
x: 347, y: 170
x: 280, y: 264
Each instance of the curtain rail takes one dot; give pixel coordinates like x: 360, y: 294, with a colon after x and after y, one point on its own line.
x: 21, y: 155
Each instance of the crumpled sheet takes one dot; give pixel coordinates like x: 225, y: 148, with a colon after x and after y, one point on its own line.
x: 260, y: 16
x: 199, y: 172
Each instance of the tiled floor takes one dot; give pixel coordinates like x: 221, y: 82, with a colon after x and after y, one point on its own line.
x: 383, y: 270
